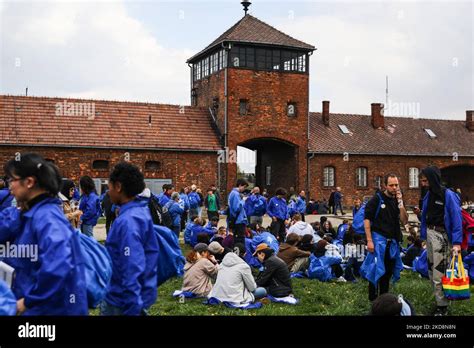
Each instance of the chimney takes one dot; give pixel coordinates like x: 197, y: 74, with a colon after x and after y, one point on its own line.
x: 470, y: 120
x: 377, y: 115
x: 326, y: 112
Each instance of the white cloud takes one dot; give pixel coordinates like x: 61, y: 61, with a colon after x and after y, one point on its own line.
x: 98, y: 50
x: 413, y: 43
x: 90, y: 50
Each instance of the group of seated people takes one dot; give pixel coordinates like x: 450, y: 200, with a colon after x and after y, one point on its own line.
x: 218, y: 268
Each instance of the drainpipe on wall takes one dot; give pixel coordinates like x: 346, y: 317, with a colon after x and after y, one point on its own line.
x: 308, y: 178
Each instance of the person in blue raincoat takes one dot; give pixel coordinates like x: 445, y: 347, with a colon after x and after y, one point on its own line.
x: 383, y: 235
x: 300, y: 205
x: 183, y: 195
x: 194, y: 202
x: 237, y: 215
x: 6, y: 198
x: 132, y: 245
x: 176, y: 209
x: 165, y: 196
x: 196, y: 229
x: 324, y: 263
x: 441, y: 227
x: 50, y: 276
x: 277, y: 210
x: 255, y: 206
x: 89, y: 205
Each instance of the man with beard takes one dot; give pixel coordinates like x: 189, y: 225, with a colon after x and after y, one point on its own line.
x: 441, y: 227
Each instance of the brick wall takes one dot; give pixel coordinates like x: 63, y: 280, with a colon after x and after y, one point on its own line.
x: 183, y: 168
x: 345, y: 174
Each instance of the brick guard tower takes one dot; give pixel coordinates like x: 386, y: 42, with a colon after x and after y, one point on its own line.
x: 255, y: 81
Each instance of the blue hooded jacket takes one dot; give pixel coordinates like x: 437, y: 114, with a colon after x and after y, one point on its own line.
x: 194, y: 200
x: 196, y: 229
x: 6, y: 199
x: 47, y: 284
x: 236, y: 207
x: 452, y: 206
x: 277, y: 207
x: 373, y: 266
x: 162, y: 199
x: 255, y: 205
x: 175, y: 211
x: 320, y: 267
x: 90, y: 206
x: 133, y: 248
x: 185, y: 199
x: 300, y: 205
x: 452, y: 217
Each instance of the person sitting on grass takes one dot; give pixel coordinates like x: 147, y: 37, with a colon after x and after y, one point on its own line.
x: 228, y: 241
x: 325, y: 263
x: 218, y: 251
x: 297, y: 260
x: 235, y: 282
x: 307, y: 243
x: 328, y: 230
x: 199, y: 270
x: 220, y: 235
x: 275, y: 277
x: 300, y: 227
x: 390, y: 305
x: 212, y: 224
x: 197, y: 228
x: 413, y: 251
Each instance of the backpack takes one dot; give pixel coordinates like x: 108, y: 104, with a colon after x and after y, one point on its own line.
x: 170, y: 258
x: 159, y: 214
x: 420, y: 264
x: 358, y: 222
x: 166, y: 219
x: 98, y: 268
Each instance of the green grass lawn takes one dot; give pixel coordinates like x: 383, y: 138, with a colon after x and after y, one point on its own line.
x: 316, y: 298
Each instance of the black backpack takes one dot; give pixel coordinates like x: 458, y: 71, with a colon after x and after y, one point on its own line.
x: 159, y: 215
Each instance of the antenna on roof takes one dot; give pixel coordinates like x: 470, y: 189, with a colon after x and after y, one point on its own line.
x: 246, y: 5
x: 386, y: 92
x: 27, y: 91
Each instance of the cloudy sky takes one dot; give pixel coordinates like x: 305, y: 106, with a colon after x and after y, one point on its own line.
x: 124, y: 50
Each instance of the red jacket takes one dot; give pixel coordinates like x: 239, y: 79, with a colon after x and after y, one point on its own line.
x: 467, y: 229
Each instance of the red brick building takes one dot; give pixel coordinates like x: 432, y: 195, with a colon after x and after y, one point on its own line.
x: 250, y: 88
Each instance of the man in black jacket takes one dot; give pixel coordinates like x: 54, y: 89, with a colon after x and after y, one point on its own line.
x: 275, y: 278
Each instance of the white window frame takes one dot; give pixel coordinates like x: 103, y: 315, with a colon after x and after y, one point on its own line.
x: 329, y: 176
x: 413, y: 181
x: 361, y: 176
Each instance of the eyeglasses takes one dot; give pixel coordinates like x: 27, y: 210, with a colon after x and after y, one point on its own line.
x: 10, y: 180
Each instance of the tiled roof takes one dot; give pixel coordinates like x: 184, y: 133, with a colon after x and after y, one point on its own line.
x: 400, y: 136
x: 252, y: 30
x: 33, y: 121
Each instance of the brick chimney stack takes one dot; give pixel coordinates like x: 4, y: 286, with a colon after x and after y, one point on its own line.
x: 326, y: 112
x: 470, y: 120
x: 377, y: 115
